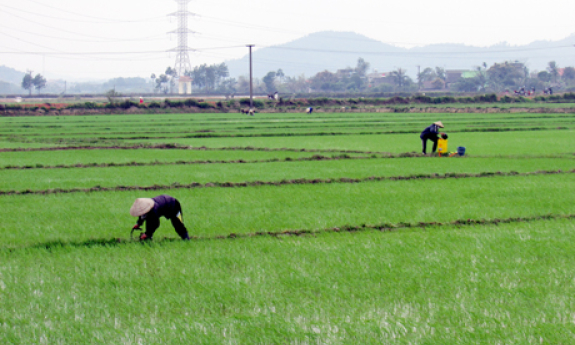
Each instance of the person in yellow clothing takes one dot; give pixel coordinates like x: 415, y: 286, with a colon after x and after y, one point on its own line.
x: 431, y: 133
x: 442, y: 144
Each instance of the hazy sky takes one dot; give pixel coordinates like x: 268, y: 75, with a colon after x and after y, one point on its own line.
x: 109, y: 38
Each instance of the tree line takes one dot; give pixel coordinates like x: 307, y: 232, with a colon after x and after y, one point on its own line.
x: 511, y: 76
x: 213, y: 78
x: 38, y: 82
x: 499, y: 77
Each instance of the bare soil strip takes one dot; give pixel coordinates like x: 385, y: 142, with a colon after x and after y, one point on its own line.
x: 301, y: 181
x: 392, y: 227
x: 314, y: 158
x: 315, y: 134
x: 321, y: 134
x: 141, y: 164
x: 383, y: 227
x: 181, y: 147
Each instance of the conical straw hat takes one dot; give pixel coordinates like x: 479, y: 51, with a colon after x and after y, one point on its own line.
x: 141, y: 206
x: 438, y: 123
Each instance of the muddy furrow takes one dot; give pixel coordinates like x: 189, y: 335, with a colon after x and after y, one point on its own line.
x: 320, y: 134
x: 197, y: 162
x: 392, y: 226
x: 383, y: 227
x: 315, y: 134
x: 301, y: 181
x: 313, y: 158
x: 183, y: 147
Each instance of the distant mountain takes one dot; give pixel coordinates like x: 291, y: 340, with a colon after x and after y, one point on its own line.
x: 9, y: 88
x: 336, y: 50
x: 11, y: 75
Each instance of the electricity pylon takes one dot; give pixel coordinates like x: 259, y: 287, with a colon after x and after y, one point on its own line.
x: 182, y: 58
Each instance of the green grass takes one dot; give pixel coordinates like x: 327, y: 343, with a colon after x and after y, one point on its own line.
x: 487, y: 284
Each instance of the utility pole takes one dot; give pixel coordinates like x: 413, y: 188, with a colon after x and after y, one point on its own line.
x: 251, y: 79
x: 419, y: 77
x: 31, y: 82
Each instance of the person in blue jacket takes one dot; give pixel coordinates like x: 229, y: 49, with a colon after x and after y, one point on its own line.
x: 431, y: 133
x: 150, y: 210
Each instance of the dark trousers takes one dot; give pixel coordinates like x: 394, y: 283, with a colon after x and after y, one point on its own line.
x: 153, y: 223
x: 424, y: 144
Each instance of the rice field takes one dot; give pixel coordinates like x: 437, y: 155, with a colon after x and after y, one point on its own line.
x: 321, y: 229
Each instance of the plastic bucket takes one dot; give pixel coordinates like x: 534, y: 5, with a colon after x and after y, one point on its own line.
x: 461, y: 151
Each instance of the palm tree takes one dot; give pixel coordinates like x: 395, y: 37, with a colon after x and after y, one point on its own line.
x: 399, y: 77
x: 440, y: 73
x: 481, y: 77
x: 280, y: 74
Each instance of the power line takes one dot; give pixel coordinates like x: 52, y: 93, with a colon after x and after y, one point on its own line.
x: 62, y: 30
x: 149, y: 38
x: 415, y: 53
x: 363, y: 19
x: 112, y: 52
x: 335, y: 36
x: 93, y: 17
x: 249, y: 26
x: 60, y: 18
x: 22, y: 40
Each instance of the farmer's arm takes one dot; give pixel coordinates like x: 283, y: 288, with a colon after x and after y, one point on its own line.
x: 140, y: 222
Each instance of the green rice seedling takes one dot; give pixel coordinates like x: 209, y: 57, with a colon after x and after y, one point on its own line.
x: 31, y: 219
x: 89, y: 130
x: 481, y: 284
x: 70, y: 157
x: 41, y: 179
x: 534, y: 143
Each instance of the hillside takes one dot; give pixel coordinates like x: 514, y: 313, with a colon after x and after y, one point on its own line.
x: 334, y: 50
x: 9, y: 88
x: 11, y: 75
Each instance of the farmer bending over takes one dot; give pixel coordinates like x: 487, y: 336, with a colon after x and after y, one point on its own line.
x: 431, y: 133
x: 150, y: 210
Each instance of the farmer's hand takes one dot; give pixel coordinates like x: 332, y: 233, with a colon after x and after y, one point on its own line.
x: 136, y: 227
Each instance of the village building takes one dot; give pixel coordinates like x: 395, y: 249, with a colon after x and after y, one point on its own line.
x: 185, y: 85
x: 378, y: 78
x: 452, y: 76
x: 344, y: 73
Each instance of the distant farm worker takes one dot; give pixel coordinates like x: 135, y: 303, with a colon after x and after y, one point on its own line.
x: 309, y: 110
x: 150, y: 210
x: 442, y: 144
x: 431, y: 133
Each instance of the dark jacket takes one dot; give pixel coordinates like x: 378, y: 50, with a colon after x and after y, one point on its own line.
x: 430, y: 132
x: 164, y: 206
